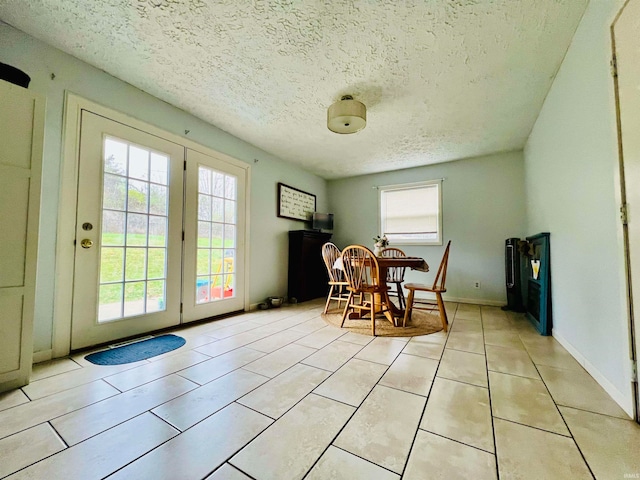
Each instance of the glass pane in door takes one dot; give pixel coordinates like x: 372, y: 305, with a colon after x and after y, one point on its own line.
x: 133, y: 251
x: 217, y: 237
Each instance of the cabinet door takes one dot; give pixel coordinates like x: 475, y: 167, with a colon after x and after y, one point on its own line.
x: 21, y: 137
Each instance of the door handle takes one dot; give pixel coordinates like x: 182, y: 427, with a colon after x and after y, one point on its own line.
x: 86, y: 243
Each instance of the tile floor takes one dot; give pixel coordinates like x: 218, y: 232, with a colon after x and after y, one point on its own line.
x: 281, y: 395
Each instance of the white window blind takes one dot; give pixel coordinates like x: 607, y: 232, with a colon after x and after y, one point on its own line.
x: 411, y: 214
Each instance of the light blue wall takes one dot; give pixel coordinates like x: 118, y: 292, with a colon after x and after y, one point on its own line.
x: 571, y: 167
x: 483, y: 204
x: 269, y: 241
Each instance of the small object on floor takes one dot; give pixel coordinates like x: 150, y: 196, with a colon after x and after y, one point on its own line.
x: 136, y: 351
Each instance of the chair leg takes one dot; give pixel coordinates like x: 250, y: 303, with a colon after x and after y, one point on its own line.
x: 373, y: 315
x: 326, y: 306
x: 346, y: 308
x: 401, y: 300
x: 407, y: 312
x: 443, y: 312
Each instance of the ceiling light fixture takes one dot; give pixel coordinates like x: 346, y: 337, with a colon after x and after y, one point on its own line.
x: 347, y: 115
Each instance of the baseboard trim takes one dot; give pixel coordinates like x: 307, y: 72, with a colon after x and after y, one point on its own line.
x: 42, y: 356
x: 625, y: 402
x: 475, y: 301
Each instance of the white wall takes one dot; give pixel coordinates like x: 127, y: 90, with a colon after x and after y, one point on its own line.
x: 483, y: 204
x: 269, y: 241
x: 572, y: 187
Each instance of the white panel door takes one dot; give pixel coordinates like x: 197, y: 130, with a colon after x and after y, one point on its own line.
x: 21, y: 138
x: 214, y: 246
x: 127, y: 277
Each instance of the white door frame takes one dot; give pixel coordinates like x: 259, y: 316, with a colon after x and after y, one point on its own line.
x: 630, y: 263
x: 65, y: 250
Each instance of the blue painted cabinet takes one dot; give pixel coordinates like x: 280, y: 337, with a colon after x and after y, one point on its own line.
x: 538, y: 290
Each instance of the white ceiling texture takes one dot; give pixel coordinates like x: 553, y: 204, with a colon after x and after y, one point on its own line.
x: 441, y: 79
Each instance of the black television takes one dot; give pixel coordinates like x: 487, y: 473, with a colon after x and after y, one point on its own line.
x: 322, y: 221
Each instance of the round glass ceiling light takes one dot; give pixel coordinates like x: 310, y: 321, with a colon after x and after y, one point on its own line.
x: 347, y: 115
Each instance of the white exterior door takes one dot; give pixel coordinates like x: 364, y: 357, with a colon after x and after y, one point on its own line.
x: 128, y: 252
x: 214, y: 260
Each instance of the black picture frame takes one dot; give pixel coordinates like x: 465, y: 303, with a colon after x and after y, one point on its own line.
x: 295, y: 204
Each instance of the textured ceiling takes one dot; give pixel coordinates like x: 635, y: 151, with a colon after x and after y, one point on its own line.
x: 441, y: 79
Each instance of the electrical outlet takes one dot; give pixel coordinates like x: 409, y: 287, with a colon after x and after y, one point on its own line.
x: 476, y: 284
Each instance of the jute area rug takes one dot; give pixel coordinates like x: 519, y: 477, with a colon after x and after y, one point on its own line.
x: 422, y: 323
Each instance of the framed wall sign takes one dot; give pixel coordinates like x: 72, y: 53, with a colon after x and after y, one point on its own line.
x: 294, y: 203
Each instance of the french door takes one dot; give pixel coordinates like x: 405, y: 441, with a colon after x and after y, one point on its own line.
x: 159, y: 231
x: 213, y: 251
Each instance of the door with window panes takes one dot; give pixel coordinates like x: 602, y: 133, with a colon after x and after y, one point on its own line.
x: 215, y: 237
x: 133, y: 271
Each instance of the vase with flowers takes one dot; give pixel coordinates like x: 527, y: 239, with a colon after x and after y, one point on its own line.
x: 380, y: 243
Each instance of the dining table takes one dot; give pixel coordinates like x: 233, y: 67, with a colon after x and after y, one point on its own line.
x: 384, y: 263
x: 392, y: 313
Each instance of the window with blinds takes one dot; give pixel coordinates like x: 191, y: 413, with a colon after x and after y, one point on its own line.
x: 412, y: 214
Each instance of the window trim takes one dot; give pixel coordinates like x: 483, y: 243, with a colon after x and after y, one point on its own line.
x: 408, y: 186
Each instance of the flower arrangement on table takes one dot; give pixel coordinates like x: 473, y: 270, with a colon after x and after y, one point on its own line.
x: 380, y: 243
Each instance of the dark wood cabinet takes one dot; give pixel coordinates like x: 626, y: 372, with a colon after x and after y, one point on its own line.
x: 307, y: 273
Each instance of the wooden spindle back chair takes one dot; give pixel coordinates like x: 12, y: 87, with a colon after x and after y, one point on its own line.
x: 395, y: 275
x: 337, y: 283
x: 362, y: 273
x: 438, y: 288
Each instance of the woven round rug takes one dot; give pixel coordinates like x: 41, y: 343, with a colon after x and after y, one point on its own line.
x: 421, y: 323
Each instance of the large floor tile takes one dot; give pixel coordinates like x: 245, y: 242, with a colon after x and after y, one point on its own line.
x: 227, y: 472
x: 216, y: 367
x: 464, y: 367
x: 525, y: 452
x: 490, y: 324
x: 352, y: 382
x: 152, y: 371
x: 464, y: 325
x: 277, y: 362
x: 201, y: 449
x: 52, y: 367
x: 503, y: 338
x: 436, y: 457
x: 424, y: 349
x: 610, y: 445
x: 103, y: 454
x: 228, y: 344
x: 552, y: 355
x: 30, y: 414
x: 290, y: 447
x: 232, y: 329
x: 356, y: 338
x: 281, y: 393
x: 461, y: 412
x: 333, y: 356
x: 410, y: 373
x: 276, y: 341
x: 337, y: 464
x: 578, y: 389
x: 526, y: 401
x: 74, y: 378
x: 467, y: 341
x: 77, y: 426
x: 187, y: 410
x: 382, y: 350
x: 29, y: 446
x: 385, y: 443
x: 310, y: 326
x: 510, y: 360
x: 12, y: 398
x: 322, y: 337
